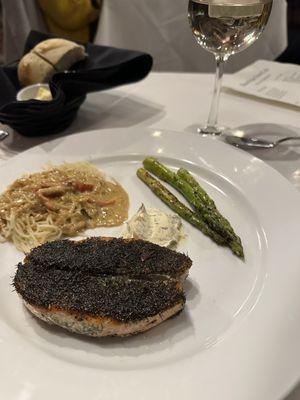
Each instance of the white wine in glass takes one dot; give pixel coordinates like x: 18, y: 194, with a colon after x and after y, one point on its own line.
x: 226, y: 27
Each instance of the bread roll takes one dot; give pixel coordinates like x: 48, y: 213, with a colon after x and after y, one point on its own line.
x: 33, y: 69
x: 48, y: 57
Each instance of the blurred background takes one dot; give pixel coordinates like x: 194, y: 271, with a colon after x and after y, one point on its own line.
x: 291, y: 54
x: 1, y: 34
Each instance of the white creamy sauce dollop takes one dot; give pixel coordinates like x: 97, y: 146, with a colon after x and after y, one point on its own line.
x: 155, y: 226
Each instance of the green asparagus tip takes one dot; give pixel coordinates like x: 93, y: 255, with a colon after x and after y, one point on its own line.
x: 140, y: 172
x: 149, y: 160
x: 237, y: 249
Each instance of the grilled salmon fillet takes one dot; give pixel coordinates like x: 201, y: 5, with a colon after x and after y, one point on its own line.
x: 103, y: 286
x: 107, y: 256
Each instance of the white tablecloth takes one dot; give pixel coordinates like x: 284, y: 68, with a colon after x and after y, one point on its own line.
x: 180, y: 102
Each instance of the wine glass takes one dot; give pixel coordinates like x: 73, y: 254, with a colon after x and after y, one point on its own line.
x: 224, y: 28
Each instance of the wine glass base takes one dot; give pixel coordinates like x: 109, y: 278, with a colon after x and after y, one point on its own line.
x: 207, y: 130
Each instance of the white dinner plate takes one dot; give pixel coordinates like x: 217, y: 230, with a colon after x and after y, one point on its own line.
x: 238, y: 337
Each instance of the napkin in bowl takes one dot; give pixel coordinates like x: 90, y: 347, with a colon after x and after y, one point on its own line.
x: 104, y: 68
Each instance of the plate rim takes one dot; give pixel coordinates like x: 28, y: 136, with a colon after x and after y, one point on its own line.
x: 148, y: 131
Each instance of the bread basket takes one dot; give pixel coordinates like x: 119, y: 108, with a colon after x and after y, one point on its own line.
x: 104, y: 68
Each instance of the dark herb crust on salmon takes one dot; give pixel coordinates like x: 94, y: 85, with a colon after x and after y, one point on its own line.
x: 120, y: 298
x: 110, y: 256
x: 119, y: 283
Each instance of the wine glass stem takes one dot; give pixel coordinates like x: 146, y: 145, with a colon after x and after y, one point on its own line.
x: 214, y: 110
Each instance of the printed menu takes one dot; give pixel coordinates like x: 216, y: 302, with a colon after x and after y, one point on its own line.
x: 268, y: 80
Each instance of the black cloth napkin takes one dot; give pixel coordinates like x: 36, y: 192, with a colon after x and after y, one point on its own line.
x: 104, y: 68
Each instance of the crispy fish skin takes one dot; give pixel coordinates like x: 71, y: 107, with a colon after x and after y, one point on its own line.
x: 62, y: 283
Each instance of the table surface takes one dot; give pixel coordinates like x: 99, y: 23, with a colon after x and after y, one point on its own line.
x: 180, y: 102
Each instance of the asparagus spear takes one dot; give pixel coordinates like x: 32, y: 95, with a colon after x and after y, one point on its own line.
x: 200, y: 200
x: 201, y: 193
x: 171, y: 201
x: 211, y: 217
x: 202, y: 196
